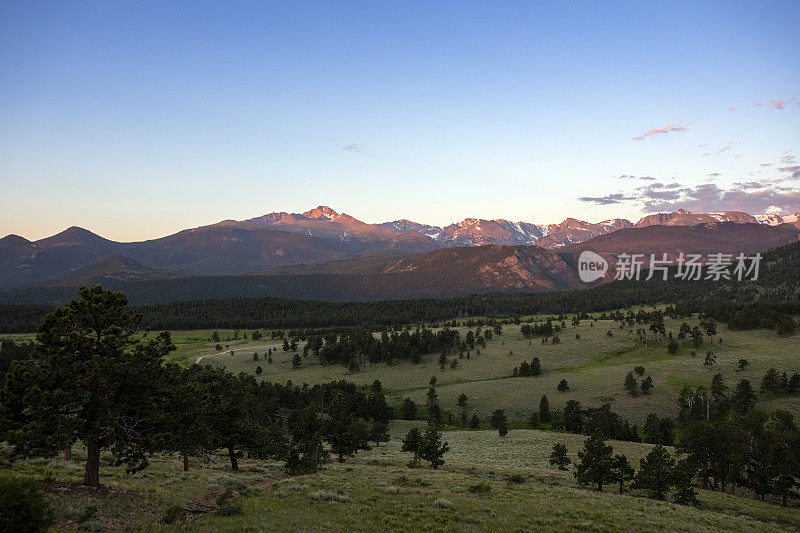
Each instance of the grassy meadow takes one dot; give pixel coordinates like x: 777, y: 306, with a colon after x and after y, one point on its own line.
x: 377, y: 490
x: 595, y: 366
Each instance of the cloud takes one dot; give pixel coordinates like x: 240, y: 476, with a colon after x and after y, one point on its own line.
x: 794, y: 170
x: 669, y: 128
x: 353, y: 147
x: 709, y: 197
x: 726, y: 148
x: 643, y: 178
x: 779, y: 193
x: 778, y: 104
x: 616, y: 198
x: 751, y: 184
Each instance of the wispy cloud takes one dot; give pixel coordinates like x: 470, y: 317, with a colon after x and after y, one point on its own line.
x: 669, y: 128
x: 353, y: 147
x: 728, y: 147
x: 778, y: 104
x: 642, y: 178
x: 616, y: 198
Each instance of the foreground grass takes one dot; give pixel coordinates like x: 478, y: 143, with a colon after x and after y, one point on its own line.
x: 376, y: 490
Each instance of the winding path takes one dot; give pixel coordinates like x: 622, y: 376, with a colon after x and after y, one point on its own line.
x: 197, y: 361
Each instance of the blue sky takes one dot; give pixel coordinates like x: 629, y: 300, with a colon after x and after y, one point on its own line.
x: 136, y: 120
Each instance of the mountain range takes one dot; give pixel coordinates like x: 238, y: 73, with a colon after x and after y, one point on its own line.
x: 517, y: 255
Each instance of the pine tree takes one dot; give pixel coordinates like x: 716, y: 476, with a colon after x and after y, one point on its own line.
x: 682, y: 478
x: 475, y: 422
x: 184, y: 424
x: 622, y: 471
x: 563, y: 386
x: 431, y: 447
x: 672, y: 346
x: 411, y: 444
x: 343, y: 431
x: 229, y: 420
x: 744, y: 399
x: 655, y: 473
x: 647, y: 385
x: 699, y: 440
x: 85, y: 383
x: 434, y: 411
x: 559, y: 457
x: 462, y: 400
x: 630, y: 384
x: 596, y: 462
x: 307, y: 450
x: 544, y: 410
x: 408, y: 409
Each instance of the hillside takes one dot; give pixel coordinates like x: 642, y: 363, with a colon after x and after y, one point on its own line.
x: 440, y: 274
x: 377, y: 487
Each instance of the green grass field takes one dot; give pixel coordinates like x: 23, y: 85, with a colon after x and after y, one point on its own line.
x: 594, y: 366
x: 376, y: 490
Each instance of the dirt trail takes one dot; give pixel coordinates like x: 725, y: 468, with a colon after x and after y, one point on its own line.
x: 197, y: 361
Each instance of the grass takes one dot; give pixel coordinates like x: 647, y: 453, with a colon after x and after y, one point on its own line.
x: 594, y: 366
x: 376, y: 490
x: 487, y: 483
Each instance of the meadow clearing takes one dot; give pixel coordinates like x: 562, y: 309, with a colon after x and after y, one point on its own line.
x: 594, y: 365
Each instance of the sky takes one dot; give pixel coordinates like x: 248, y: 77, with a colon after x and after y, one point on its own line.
x: 138, y: 119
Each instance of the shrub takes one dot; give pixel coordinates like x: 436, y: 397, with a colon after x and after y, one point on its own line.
x: 22, y: 506
x: 230, y: 509
x: 441, y: 503
x: 331, y: 496
x: 518, y: 479
x: 479, y: 488
x: 173, y: 514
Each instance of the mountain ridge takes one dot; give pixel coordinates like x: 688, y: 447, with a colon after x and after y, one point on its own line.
x: 319, y: 235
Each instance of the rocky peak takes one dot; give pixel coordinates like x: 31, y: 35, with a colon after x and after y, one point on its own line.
x: 323, y: 212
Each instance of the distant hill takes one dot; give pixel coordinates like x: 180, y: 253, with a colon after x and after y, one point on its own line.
x: 439, y: 274
x: 103, y: 271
